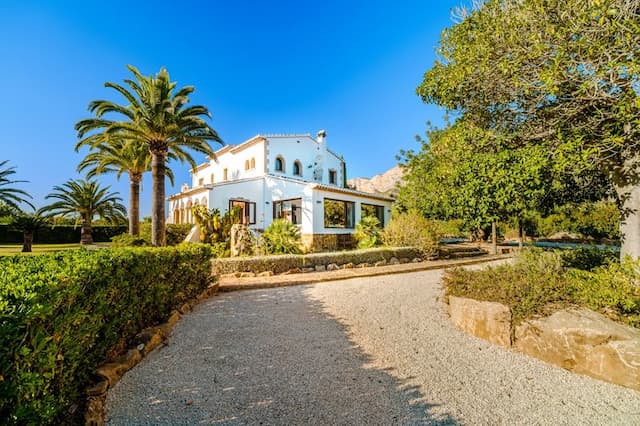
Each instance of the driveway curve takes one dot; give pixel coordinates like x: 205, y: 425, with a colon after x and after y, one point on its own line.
x: 368, y: 351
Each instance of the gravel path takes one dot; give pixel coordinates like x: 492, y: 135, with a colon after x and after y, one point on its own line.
x: 364, y: 351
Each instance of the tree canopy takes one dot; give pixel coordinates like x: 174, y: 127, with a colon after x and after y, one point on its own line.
x: 561, y: 75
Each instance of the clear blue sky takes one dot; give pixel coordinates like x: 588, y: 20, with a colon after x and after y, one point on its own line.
x: 349, y: 67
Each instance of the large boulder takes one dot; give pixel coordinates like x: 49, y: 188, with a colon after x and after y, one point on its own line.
x: 241, y: 240
x: 488, y: 320
x: 585, y: 342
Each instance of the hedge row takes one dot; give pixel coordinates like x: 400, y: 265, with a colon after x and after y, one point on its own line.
x: 282, y: 263
x: 61, y: 313
x: 60, y: 234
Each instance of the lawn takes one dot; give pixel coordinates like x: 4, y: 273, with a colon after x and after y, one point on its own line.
x: 8, y: 249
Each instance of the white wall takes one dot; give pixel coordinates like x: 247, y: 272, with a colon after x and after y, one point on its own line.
x: 234, y: 162
x: 306, y: 150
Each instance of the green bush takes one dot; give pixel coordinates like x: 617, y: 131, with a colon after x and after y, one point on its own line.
x: 281, y: 237
x: 128, y: 240
x: 61, y: 313
x: 596, y: 220
x: 411, y: 229
x: 587, y: 259
x: 282, y: 263
x: 176, y: 233
x: 367, y: 232
x: 59, y: 234
x: 538, y: 283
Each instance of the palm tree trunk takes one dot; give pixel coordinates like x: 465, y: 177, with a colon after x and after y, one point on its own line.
x: 134, y: 203
x: 158, y: 233
x: 85, y: 232
x: 27, y: 241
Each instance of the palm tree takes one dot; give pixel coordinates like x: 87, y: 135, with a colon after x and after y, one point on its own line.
x: 157, y: 115
x: 119, y: 155
x: 9, y: 195
x: 28, y: 224
x: 85, y: 200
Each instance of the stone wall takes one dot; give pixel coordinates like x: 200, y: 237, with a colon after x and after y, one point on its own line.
x: 328, y: 242
x: 578, y: 340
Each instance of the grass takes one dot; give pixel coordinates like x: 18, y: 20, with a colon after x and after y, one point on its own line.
x: 10, y: 249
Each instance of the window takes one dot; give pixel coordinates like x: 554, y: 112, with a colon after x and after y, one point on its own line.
x: 225, y: 174
x: 212, y: 180
x: 247, y: 211
x: 339, y: 214
x: 288, y: 209
x: 297, y: 168
x: 279, y: 164
x: 246, y: 164
x: 373, y: 210
x: 200, y: 181
x: 332, y: 177
x: 253, y: 163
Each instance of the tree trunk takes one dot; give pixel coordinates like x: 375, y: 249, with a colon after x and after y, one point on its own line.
x: 158, y: 233
x: 134, y: 203
x: 629, y: 221
x: 27, y: 241
x: 520, y: 234
x: 85, y: 232
x: 494, y: 238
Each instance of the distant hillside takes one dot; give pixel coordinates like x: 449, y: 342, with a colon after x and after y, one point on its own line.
x: 385, y: 183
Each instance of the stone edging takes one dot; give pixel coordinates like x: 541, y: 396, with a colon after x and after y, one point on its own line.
x: 261, y: 281
x: 143, y: 343
x: 576, y: 339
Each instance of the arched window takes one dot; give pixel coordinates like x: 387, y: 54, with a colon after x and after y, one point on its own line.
x: 279, y: 164
x: 253, y: 163
x: 297, y: 168
x: 246, y: 164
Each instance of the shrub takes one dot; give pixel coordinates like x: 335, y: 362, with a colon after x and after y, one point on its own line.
x: 282, y: 263
x: 128, y: 240
x: 411, y: 229
x: 537, y: 284
x: 587, y: 258
x: 281, y: 237
x: 176, y: 233
x: 61, y: 313
x: 367, y: 232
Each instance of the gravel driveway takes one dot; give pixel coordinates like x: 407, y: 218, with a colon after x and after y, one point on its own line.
x: 363, y: 351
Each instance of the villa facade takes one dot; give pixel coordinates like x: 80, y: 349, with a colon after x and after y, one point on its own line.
x: 294, y: 177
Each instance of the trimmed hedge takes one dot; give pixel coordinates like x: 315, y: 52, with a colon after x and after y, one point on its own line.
x: 61, y: 313
x: 282, y: 263
x: 60, y: 234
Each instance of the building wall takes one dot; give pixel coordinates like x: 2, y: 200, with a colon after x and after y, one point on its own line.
x: 234, y: 162
x: 309, y: 153
x: 318, y: 214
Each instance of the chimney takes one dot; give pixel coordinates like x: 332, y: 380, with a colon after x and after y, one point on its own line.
x: 322, y: 136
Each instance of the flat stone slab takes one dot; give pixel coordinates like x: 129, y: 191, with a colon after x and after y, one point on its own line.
x: 490, y: 321
x: 584, y: 342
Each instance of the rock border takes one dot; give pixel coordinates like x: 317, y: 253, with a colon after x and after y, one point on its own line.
x: 576, y: 339
x: 144, y: 342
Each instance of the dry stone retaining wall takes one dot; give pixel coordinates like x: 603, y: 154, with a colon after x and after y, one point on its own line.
x: 578, y: 340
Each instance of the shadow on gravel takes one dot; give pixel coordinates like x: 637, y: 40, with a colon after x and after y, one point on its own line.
x: 264, y: 357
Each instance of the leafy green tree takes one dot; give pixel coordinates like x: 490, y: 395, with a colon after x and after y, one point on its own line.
x: 84, y: 200
x: 559, y: 74
x: 119, y: 155
x: 451, y: 179
x: 28, y: 224
x: 9, y: 195
x: 157, y: 114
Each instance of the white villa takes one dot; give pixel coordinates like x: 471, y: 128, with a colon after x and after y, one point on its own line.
x: 295, y: 177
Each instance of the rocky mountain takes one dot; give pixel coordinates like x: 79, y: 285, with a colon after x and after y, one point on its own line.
x: 385, y: 183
